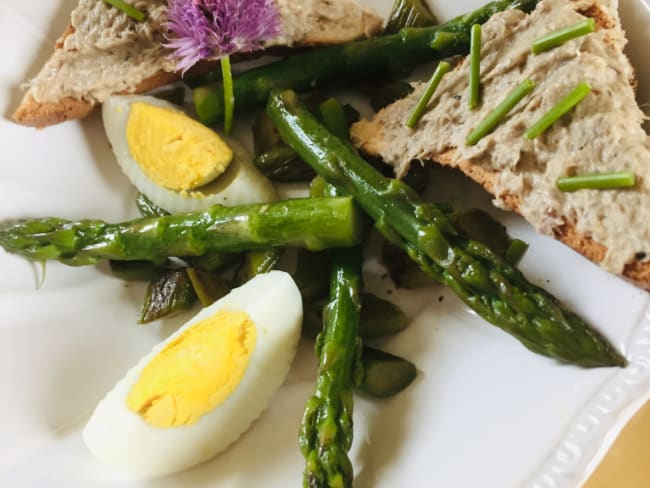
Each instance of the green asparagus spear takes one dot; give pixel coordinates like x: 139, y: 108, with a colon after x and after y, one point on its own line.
x: 379, y: 317
x: 312, y: 223
x: 209, y: 287
x: 352, y: 61
x: 172, y: 292
x: 257, y: 262
x: 487, y: 283
x: 384, y: 374
x: 282, y: 164
x: 409, y: 13
x: 326, y: 429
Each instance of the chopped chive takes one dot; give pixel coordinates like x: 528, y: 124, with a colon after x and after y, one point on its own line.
x: 128, y: 9
x: 228, y: 95
x: 494, y: 118
x: 474, y: 66
x: 562, y: 107
x: 516, y: 251
x: 421, y: 105
x: 558, y: 37
x: 597, y: 181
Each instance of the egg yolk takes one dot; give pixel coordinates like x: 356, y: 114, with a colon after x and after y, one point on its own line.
x: 195, y: 372
x: 174, y: 150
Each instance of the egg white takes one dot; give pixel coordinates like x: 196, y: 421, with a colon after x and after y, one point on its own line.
x: 240, y: 184
x: 120, y: 438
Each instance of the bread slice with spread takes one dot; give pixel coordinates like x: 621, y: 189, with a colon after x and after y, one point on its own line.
x: 103, y: 51
x: 603, y: 133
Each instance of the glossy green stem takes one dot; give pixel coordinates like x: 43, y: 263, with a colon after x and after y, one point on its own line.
x: 326, y: 429
x: 311, y: 223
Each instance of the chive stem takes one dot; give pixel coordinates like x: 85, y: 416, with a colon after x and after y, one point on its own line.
x: 421, y: 105
x: 562, y: 107
x: 228, y: 94
x: 516, y: 251
x: 494, y: 118
x: 558, y: 37
x: 597, y: 181
x: 128, y: 9
x: 475, y: 66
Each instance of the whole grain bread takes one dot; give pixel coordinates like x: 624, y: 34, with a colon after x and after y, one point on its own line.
x: 103, y: 52
x: 602, y: 134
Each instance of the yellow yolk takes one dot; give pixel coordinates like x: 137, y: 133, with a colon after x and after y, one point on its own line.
x: 174, y: 150
x: 196, y: 372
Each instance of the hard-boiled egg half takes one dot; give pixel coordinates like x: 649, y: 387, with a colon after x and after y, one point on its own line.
x: 201, y: 388
x: 179, y: 163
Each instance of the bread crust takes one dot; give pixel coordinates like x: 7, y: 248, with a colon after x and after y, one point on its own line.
x: 33, y: 113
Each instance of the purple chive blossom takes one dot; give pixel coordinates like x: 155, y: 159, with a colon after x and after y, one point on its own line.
x: 211, y: 29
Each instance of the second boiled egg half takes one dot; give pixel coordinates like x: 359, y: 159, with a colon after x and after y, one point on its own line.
x: 178, y: 163
x: 201, y: 388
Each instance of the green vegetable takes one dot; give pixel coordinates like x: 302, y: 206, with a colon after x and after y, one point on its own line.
x: 421, y: 105
x: 349, y: 62
x: 135, y: 270
x: 473, y: 224
x: 561, y: 36
x: 147, y: 208
x: 475, y: 67
x: 312, y: 223
x: 282, y: 164
x: 128, y: 9
x: 170, y: 293
x: 326, y: 429
x: 516, y: 251
x: 312, y: 276
x: 257, y: 262
x: 209, y: 287
x: 379, y: 317
x: 597, y: 181
x: 384, y: 92
x: 403, y: 272
x: 384, y: 374
x: 409, y: 13
x: 494, y: 118
x: 562, y: 107
x: 490, y: 285
x: 333, y: 116
x: 228, y: 95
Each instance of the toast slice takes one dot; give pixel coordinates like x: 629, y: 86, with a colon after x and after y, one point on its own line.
x: 103, y: 52
x: 603, y: 133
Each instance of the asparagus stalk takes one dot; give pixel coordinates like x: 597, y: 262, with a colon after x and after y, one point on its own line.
x: 312, y: 223
x: 486, y: 282
x: 326, y: 429
x: 352, y: 61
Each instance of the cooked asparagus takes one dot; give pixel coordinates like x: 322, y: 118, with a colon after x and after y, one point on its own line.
x: 312, y: 223
x: 326, y: 429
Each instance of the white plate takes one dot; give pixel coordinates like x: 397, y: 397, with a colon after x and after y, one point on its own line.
x: 482, y: 412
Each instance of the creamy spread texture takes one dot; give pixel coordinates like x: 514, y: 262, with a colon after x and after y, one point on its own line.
x: 108, y: 52
x: 604, y: 133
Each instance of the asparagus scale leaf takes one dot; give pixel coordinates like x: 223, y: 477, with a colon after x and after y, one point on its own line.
x: 348, y: 62
x: 311, y: 223
x: 486, y: 282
